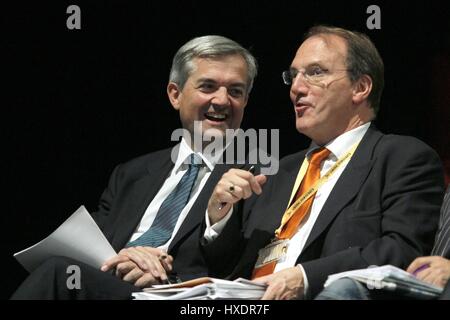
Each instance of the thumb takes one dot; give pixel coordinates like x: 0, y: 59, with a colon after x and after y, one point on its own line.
x: 261, y: 280
x: 261, y: 179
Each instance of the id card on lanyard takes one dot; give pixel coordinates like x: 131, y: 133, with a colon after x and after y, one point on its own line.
x: 277, y: 248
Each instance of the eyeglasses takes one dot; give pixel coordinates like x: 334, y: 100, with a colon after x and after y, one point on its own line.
x: 313, y: 75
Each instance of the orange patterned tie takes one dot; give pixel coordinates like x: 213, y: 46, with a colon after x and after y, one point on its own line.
x: 311, y: 176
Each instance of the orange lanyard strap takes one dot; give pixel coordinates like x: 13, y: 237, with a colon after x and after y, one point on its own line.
x: 308, y: 193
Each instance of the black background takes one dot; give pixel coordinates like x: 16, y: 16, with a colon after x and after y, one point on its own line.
x: 78, y: 102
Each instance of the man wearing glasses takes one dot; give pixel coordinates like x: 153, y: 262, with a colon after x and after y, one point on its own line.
x: 356, y: 197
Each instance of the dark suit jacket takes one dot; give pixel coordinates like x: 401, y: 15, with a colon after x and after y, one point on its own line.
x: 383, y: 209
x: 132, y: 187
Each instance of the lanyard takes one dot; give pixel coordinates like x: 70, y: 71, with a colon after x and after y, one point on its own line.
x: 305, y: 196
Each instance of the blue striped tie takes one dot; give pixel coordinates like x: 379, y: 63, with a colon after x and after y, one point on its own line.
x: 167, y: 216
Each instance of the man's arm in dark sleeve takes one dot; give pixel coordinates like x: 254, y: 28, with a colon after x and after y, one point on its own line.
x: 410, y: 205
x: 107, y: 199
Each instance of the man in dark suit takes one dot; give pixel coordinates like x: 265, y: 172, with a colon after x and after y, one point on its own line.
x: 434, y: 269
x: 356, y: 197
x: 154, y: 205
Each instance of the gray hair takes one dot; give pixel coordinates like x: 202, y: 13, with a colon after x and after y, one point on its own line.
x: 208, y: 47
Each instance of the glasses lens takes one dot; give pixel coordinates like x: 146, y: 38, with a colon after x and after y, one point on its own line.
x: 287, y: 78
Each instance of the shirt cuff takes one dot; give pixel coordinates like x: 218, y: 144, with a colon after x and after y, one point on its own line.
x: 213, y: 231
x: 305, y: 282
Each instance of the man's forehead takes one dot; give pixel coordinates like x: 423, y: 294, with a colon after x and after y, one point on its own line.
x: 207, y: 68
x: 322, y: 48
x: 327, y: 40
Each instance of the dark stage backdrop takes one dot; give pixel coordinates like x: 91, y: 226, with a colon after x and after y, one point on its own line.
x: 78, y: 102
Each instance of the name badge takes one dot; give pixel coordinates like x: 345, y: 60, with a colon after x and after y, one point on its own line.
x: 274, y: 251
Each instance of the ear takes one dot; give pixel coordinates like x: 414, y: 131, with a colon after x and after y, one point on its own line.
x: 361, y: 89
x: 174, y: 93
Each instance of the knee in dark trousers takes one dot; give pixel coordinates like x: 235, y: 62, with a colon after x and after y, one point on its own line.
x: 61, y: 278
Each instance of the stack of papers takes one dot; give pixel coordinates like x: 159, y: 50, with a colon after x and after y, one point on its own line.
x: 390, y: 278
x: 204, y: 289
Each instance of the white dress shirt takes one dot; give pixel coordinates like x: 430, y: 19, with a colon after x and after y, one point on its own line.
x: 338, y: 147
x: 169, y: 185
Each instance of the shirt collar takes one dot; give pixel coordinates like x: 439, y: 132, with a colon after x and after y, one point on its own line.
x: 185, y: 150
x: 339, y: 145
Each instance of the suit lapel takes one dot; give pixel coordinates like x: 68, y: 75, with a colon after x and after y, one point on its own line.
x: 347, y: 185
x: 285, y: 181
x: 144, y: 190
x: 198, y: 210
x: 197, y: 213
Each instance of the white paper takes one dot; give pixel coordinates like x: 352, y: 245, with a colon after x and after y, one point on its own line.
x: 207, y: 289
x: 387, y: 276
x: 78, y: 238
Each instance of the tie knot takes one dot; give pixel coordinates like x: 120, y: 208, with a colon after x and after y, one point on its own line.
x: 195, y: 160
x: 319, y: 155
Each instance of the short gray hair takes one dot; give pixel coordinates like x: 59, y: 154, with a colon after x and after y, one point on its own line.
x: 209, y: 47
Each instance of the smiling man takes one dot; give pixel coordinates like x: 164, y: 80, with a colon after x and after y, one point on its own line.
x: 215, y: 94
x: 356, y: 197
x: 154, y: 205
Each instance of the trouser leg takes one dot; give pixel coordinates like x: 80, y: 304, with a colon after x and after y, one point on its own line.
x: 51, y: 281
